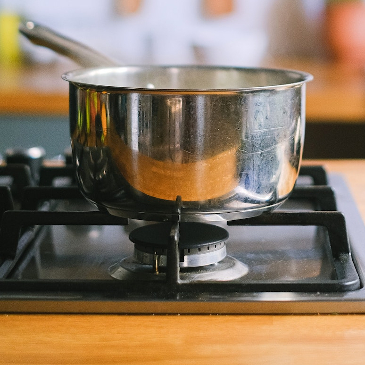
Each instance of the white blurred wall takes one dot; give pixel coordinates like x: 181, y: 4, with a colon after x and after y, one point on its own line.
x: 176, y: 32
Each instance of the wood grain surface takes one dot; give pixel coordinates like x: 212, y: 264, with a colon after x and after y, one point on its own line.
x: 191, y: 339
x: 211, y: 340
x: 337, y: 92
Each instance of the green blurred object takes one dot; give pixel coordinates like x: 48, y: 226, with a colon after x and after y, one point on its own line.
x: 10, y: 52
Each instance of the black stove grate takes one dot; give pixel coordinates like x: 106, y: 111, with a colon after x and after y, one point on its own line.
x: 19, y: 229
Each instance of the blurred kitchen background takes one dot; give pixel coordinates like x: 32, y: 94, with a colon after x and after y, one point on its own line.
x: 323, y: 37
x: 229, y: 32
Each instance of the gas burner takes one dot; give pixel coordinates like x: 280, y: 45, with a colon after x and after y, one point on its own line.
x: 200, y: 244
x: 202, y: 247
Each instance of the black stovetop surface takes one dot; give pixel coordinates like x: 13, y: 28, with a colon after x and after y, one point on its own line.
x: 306, y: 257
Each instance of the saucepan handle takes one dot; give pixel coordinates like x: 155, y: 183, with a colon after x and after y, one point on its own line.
x: 79, y: 53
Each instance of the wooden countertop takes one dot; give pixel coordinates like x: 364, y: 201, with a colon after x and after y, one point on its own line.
x: 224, y: 339
x: 337, y: 92
x: 34, y: 90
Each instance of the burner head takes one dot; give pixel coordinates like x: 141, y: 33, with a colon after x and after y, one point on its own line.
x: 200, y: 244
x: 32, y: 157
x: 202, y: 249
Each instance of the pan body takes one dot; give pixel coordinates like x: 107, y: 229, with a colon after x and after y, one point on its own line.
x: 201, y: 143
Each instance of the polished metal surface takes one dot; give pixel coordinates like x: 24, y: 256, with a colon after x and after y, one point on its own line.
x: 225, y: 270
x: 227, y: 142
x: 207, y: 255
x: 81, y: 54
x: 200, y: 244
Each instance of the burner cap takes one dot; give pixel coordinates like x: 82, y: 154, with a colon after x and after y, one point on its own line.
x: 200, y: 244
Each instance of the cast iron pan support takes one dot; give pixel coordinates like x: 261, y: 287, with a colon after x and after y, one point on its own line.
x: 334, y: 222
x: 173, y: 253
x: 13, y: 220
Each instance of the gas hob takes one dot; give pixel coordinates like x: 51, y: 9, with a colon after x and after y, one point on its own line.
x: 60, y: 255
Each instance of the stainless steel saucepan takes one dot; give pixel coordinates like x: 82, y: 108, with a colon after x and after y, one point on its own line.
x: 206, y: 143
